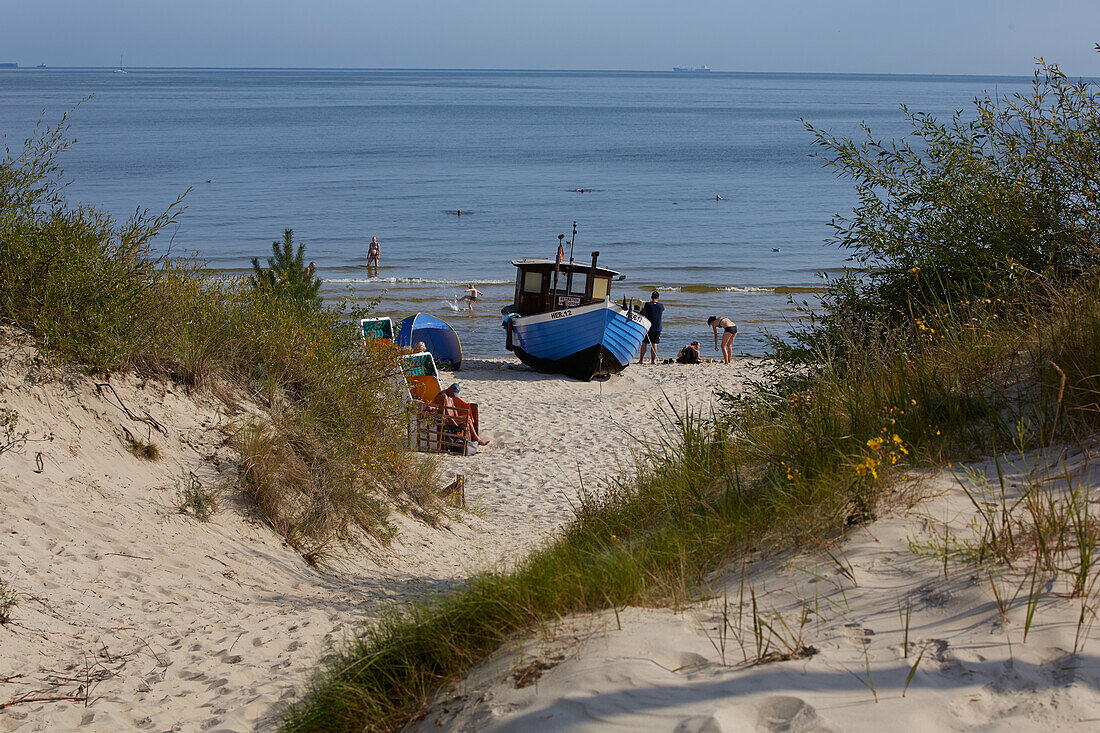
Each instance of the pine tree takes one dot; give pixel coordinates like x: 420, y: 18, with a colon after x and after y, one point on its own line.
x: 286, y: 274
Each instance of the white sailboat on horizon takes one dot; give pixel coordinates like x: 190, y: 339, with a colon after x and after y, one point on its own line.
x: 121, y: 69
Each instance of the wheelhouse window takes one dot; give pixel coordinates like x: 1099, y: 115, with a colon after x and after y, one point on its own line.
x: 532, y: 282
x: 580, y: 280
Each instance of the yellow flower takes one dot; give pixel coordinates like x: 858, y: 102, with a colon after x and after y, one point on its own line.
x: 868, y: 466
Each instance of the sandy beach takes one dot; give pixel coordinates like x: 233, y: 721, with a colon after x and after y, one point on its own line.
x: 173, y: 624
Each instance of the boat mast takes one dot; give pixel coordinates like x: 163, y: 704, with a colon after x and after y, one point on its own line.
x: 569, y: 275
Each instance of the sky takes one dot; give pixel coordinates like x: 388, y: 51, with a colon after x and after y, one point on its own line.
x: 841, y: 36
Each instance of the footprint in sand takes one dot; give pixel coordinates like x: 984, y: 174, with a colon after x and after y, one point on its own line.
x: 682, y: 662
x: 858, y: 635
x: 773, y: 714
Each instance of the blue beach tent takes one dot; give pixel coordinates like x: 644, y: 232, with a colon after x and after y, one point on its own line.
x: 438, y: 336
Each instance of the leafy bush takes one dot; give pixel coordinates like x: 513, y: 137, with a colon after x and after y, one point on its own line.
x: 1002, y: 201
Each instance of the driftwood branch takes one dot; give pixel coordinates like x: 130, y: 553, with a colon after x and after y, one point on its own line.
x: 147, y: 419
x: 54, y: 698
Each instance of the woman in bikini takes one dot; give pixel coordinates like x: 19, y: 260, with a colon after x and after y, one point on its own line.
x: 729, y: 332
x: 374, y: 251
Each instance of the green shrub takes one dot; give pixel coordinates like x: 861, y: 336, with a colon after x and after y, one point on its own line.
x: 196, y: 500
x: 1000, y: 202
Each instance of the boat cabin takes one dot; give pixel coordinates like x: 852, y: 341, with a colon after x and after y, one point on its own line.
x: 547, y: 285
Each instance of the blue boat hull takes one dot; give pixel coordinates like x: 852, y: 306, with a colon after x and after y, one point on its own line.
x: 590, y: 341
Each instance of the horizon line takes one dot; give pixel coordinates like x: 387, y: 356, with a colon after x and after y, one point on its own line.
x: 669, y: 70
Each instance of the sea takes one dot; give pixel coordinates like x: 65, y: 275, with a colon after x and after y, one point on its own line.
x: 699, y: 186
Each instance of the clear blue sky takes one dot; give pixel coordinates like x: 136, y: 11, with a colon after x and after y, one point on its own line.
x: 878, y: 36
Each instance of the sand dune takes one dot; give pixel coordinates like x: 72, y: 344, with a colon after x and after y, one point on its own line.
x: 700, y: 669
x: 175, y: 624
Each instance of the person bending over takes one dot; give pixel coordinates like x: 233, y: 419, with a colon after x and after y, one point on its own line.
x: 729, y: 332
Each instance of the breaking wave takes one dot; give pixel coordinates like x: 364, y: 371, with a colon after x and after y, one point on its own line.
x: 413, y: 281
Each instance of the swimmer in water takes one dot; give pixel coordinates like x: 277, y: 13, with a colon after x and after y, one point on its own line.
x: 717, y: 197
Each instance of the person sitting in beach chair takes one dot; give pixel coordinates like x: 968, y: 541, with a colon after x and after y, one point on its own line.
x: 459, y: 420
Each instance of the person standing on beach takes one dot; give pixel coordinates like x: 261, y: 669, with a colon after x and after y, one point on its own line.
x: 374, y: 251
x: 653, y: 310
x: 729, y: 332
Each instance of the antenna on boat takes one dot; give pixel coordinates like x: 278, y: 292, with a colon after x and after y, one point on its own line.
x: 571, y: 241
x: 557, y: 266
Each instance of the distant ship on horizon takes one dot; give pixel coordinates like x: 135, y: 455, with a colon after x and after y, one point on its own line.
x: 704, y: 67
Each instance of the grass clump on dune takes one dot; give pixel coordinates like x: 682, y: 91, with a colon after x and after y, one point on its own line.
x: 91, y: 291
x: 977, y: 327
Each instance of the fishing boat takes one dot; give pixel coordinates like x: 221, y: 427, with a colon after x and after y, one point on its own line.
x: 563, y: 320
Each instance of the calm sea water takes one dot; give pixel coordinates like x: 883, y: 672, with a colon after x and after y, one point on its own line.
x: 340, y: 156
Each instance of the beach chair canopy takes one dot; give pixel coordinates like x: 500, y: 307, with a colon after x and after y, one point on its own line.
x: 421, y: 376
x: 374, y: 328
x: 439, y: 338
